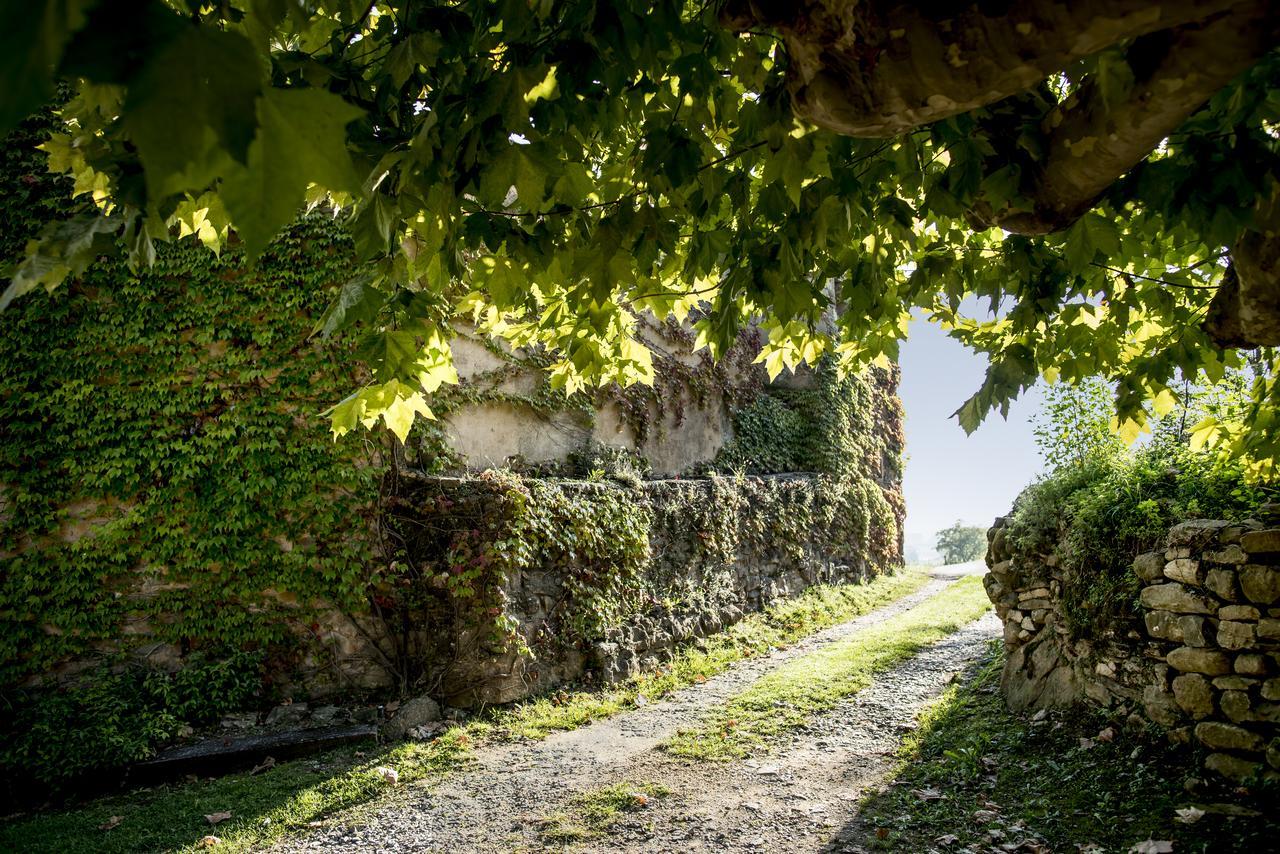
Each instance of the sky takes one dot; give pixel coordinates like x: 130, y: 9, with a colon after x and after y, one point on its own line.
x: 949, y: 475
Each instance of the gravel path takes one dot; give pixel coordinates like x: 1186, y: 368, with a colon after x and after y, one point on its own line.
x: 796, y: 799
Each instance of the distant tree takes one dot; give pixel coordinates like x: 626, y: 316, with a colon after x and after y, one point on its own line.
x: 961, y: 542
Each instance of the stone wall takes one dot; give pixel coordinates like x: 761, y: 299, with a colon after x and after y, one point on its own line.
x: 1202, y: 661
x: 718, y: 548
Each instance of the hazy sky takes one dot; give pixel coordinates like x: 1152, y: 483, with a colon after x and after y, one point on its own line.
x: 949, y: 475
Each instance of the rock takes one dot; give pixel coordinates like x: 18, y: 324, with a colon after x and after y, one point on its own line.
x: 1261, y: 584
x: 1251, y: 665
x: 287, y: 715
x: 1271, y: 689
x: 1269, y: 629
x: 1160, y: 706
x: 1238, y: 612
x: 1223, y: 583
x: 1231, y: 767
x: 1175, y: 597
x: 1235, y: 705
x: 1220, y: 736
x: 414, y: 713
x: 1233, y: 683
x: 1164, y: 625
x: 1268, y: 712
x: 1265, y: 542
x: 1034, y: 593
x: 1194, y: 533
x: 1033, y: 678
x: 1231, y: 554
x: 1192, y: 630
x: 1235, y: 635
x: 1149, y: 566
x: 1193, y: 695
x: 1273, y: 754
x: 245, y: 720
x: 1185, y: 570
x: 326, y: 715
x: 1191, y: 660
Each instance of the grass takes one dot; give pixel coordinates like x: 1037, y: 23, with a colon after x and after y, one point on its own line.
x: 1039, y: 783
x: 592, y: 814
x: 286, y: 799
x: 790, y: 696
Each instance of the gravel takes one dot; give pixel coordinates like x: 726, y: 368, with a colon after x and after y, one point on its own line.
x: 800, y: 797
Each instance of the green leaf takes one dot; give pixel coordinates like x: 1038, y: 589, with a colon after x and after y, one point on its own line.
x: 357, y: 301
x: 210, y: 78
x: 32, y: 38
x: 301, y: 140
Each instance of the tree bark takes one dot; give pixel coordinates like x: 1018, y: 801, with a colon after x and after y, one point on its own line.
x: 878, y: 68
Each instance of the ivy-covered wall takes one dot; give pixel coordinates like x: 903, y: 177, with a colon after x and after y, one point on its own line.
x: 516, y: 585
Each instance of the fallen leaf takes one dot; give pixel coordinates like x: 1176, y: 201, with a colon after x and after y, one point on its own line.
x: 1189, y: 815
x: 267, y: 764
x: 985, y: 815
x: 882, y: 833
x: 1106, y: 736
x: 927, y: 794
x: 1086, y: 744
x: 640, y: 799
x: 699, y: 679
x: 1090, y: 848
x: 210, y: 841
x: 641, y: 700
x: 217, y: 817
x: 387, y: 775
x: 947, y: 839
x: 114, y: 821
x: 1040, y: 715
x: 1152, y: 846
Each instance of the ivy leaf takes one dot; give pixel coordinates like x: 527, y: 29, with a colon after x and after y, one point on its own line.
x: 301, y: 140
x: 210, y: 78
x: 32, y: 38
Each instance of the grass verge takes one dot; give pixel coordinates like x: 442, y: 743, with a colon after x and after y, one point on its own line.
x: 790, y: 696
x: 592, y: 814
x: 287, y: 798
x: 975, y: 776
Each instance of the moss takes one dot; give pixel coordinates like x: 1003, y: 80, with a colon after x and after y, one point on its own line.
x: 591, y: 814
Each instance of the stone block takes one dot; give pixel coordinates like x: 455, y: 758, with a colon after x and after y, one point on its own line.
x: 1190, y: 660
x: 1177, y: 598
x: 1271, y: 690
x: 1194, y: 696
x: 1238, y: 612
x: 1163, y: 625
x: 1034, y: 593
x: 1160, y: 706
x: 1231, y: 767
x: 1235, y: 705
x: 1234, y: 683
x: 1267, y: 713
x: 1236, y: 635
x: 414, y: 713
x: 1273, y: 755
x: 1231, y: 554
x: 1265, y: 542
x: 1261, y: 584
x: 1251, y: 664
x: 1149, y: 566
x: 1185, y: 570
x: 1219, y: 736
x: 1192, y: 630
x: 1223, y: 584
x: 1195, y: 532
x: 1269, y: 629
x: 1176, y: 553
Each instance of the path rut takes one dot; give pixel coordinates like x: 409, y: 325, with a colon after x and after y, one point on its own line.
x: 798, y: 798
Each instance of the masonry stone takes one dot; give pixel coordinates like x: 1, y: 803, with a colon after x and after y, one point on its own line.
x: 1236, y: 635
x: 1149, y: 566
x: 1265, y: 542
x: 1193, y: 694
x: 1176, y: 597
x: 1220, y: 736
x: 1184, y: 570
x: 1261, y: 584
x: 1238, y: 612
x: 1190, y: 660
x: 1223, y: 583
x: 1231, y: 767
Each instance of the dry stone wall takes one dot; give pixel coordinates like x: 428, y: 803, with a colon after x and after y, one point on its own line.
x: 1203, y: 660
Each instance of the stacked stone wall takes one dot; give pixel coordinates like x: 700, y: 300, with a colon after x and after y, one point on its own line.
x: 1201, y: 661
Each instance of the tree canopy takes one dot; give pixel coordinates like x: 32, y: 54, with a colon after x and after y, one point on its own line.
x: 961, y: 543
x: 1101, y: 176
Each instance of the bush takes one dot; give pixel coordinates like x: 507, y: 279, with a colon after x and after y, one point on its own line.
x: 1100, y: 515
x: 114, y: 716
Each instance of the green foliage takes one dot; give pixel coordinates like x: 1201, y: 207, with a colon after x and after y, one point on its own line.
x: 117, y: 716
x: 1043, y: 785
x: 553, y: 170
x: 1100, y: 516
x: 1074, y: 424
x: 961, y: 543
x: 768, y: 436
